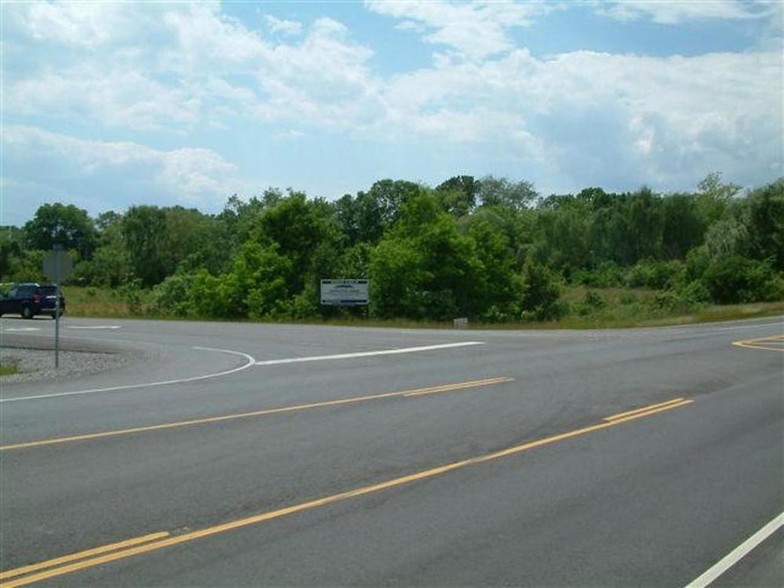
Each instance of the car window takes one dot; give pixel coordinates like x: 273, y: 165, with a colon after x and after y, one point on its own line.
x: 48, y: 290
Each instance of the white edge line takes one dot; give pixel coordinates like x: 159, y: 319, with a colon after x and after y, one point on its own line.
x: 249, y: 363
x: 368, y: 353
x: 738, y: 553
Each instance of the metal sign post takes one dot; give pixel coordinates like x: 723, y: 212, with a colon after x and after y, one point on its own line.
x: 57, y: 267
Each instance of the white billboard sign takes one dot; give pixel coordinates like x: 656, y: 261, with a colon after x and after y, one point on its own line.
x: 344, y: 292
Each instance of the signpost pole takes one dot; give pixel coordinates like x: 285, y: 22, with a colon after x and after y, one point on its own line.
x: 57, y: 267
x: 58, y: 261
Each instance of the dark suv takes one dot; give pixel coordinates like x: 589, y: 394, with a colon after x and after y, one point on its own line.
x: 31, y: 299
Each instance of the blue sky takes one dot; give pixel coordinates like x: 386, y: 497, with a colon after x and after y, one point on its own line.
x: 106, y: 105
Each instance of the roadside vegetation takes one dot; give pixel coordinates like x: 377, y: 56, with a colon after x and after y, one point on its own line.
x: 586, y: 308
x: 490, y: 250
x: 8, y: 368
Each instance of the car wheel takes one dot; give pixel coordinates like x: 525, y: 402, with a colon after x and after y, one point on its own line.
x: 27, y: 312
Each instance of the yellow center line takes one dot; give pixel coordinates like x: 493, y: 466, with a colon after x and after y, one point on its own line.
x: 621, y: 415
x: 260, y: 518
x: 82, y: 555
x: 761, y: 343
x: 259, y: 413
x: 453, y: 387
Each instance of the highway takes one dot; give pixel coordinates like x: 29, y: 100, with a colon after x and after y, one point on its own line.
x: 251, y: 454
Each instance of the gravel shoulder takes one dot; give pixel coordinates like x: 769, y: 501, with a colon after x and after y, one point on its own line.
x: 34, y: 358
x: 39, y: 364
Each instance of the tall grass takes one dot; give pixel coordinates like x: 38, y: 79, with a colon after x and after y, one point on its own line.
x: 588, y: 308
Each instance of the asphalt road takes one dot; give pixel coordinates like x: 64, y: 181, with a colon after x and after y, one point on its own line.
x: 247, y: 455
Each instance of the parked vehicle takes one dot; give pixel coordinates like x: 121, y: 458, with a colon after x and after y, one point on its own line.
x: 31, y: 299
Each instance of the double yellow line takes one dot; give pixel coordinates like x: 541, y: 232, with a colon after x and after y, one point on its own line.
x: 766, y: 343
x: 647, y: 411
x: 73, y: 562
x: 260, y: 413
x: 87, y: 559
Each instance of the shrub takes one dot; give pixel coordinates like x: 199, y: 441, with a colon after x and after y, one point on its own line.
x: 594, y: 299
x: 658, y: 275
x: 732, y: 280
x: 541, y: 294
x: 132, y: 294
x: 606, y: 275
x: 671, y: 301
x: 173, y: 295
x: 695, y: 292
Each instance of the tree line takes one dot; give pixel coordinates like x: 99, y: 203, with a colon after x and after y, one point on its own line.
x: 484, y: 248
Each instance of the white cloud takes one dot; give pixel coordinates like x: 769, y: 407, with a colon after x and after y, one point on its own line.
x: 186, y: 176
x: 176, y: 70
x: 475, y: 30
x: 584, y: 113
x: 116, y: 98
x: 285, y: 27
x: 675, y: 12
x: 205, y: 67
x: 75, y: 23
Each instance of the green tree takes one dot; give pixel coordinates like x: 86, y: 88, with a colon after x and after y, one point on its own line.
x: 144, y: 232
x: 501, y: 281
x: 298, y: 227
x: 564, y: 239
x: 458, y: 195
x: 360, y: 219
x: 765, y: 224
x: 714, y: 197
x: 493, y: 191
x: 425, y: 268
x: 541, y: 294
x: 734, y: 279
x: 109, y: 266
x: 11, y: 247
x: 61, y: 224
x: 397, y: 279
x: 684, y: 227
x: 391, y: 195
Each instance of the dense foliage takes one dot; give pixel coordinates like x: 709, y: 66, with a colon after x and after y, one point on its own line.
x: 488, y: 249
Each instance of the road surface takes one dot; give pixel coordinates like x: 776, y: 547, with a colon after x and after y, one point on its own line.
x: 249, y: 454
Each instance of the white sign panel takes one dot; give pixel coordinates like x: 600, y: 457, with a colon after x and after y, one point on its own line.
x: 344, y: 292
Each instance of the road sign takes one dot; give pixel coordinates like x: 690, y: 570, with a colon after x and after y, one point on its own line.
x: 57, y: 265
x: 344, y: 292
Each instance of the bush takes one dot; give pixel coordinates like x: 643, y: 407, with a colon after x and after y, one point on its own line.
x: 671, y: 301
x: 606, y: 275
x: 132, y: 294
x: 494, y: 314
x: 594, y: 299
x: 733, y: 280
x: 173, y: 295
x: 658, y: 275
x: 541, y: 294
x: 695, y: 292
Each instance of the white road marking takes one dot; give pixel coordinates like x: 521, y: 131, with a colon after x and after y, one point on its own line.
x: 97, y: 327
x: 367, y: 353
x: 249, y: 363
x: 21, y: 329
x: 738, y: 553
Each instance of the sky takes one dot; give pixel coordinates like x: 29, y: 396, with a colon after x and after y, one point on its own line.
x: 108, y: 105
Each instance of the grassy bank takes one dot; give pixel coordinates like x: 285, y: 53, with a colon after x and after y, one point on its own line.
x: 588, y: 308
